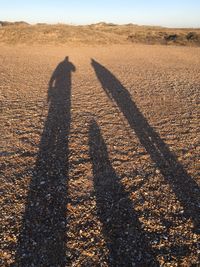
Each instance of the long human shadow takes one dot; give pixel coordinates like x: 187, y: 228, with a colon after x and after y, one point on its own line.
x: 183, y: 185
x: 42, y: 238
x: 122, y: 230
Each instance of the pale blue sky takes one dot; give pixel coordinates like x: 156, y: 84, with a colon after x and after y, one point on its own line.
x: 171, y: 13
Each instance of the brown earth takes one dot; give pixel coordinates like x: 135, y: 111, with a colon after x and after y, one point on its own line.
x: 99, y: 158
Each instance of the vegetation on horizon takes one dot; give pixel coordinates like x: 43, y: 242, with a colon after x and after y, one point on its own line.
x: 99, y: 33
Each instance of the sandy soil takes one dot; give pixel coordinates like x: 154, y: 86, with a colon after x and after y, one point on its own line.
x: 99, y: 161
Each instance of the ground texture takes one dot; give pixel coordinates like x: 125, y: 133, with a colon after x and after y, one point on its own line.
x: 99, y: 158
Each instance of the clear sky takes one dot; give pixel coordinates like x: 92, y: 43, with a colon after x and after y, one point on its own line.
x: 171, y: 13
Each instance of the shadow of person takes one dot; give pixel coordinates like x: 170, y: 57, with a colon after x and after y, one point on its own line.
x: 122, y: 230
x: 185, y: 188
x: 42, y: 239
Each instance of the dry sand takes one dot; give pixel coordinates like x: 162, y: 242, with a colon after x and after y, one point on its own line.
x: 106, y: 172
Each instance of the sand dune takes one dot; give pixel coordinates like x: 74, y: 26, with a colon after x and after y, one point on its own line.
x: 100, y: 33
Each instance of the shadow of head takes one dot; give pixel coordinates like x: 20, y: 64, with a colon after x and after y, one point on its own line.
x: 60, y: 81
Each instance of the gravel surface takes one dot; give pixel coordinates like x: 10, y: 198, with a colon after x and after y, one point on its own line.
x: 100, y: 156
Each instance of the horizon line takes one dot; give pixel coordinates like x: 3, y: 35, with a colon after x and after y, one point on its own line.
x: 99, y: 22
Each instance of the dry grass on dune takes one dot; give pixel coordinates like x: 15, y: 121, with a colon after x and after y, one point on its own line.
x: 100, y: 33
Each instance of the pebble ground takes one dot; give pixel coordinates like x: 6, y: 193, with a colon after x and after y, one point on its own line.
x: 103, y: 171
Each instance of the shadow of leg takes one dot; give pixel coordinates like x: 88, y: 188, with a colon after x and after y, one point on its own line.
x: 122, y: 230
